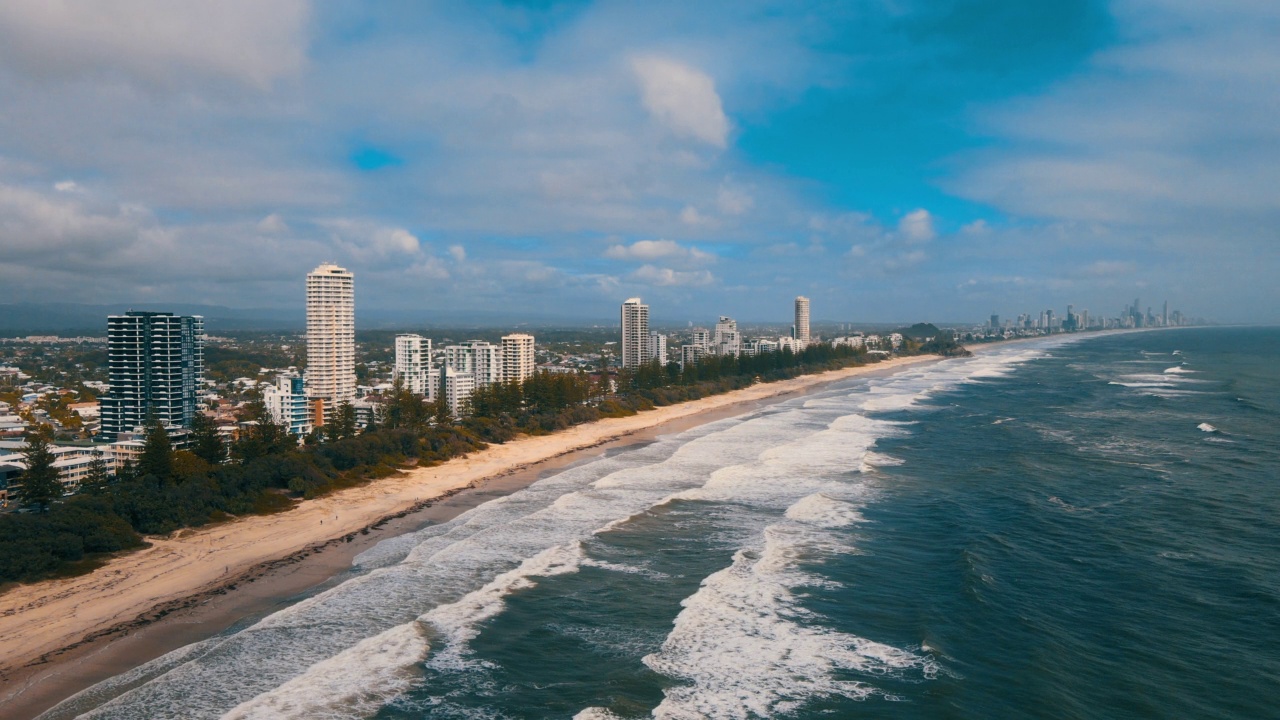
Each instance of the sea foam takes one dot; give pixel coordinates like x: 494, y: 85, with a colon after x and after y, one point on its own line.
x: 429, y: 593
x: 744, y: 647
x: 352, y: 684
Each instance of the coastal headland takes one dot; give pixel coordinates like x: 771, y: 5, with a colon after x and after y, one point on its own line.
x: 59, y: 636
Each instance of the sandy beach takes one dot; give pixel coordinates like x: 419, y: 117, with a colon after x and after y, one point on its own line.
x: 59, y: 636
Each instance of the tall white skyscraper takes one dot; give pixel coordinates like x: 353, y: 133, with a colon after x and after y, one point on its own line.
x: 635, y: 333
x: 518, y: 357
x: 331, y: 339
x: 802, y: 319
x: 413, y: 362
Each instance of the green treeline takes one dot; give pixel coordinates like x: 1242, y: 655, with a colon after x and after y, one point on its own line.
x: 266, y: 470
x: 168, y: 490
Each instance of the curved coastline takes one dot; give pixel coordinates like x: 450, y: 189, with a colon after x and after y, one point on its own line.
x: 60, y: 636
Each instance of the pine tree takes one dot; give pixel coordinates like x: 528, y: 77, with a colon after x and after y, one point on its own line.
x: 40, y: 484
x: 343, y: 423
x: 440, y: 412
x: 98, y: 476
x: 127, y: 472
x: 206, y: 443
x: 157, y: 454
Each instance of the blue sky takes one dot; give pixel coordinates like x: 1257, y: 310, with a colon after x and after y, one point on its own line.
x: 894, y: 160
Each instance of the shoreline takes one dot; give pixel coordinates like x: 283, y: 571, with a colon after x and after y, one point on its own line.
x: 198, y: 583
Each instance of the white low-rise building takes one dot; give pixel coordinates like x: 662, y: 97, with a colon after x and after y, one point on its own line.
x: 481, y: 360
x: 288, y: 404
x: 73, y: 462
x: 691, y: 354
x: 789, y: 343
x: 455, y: 388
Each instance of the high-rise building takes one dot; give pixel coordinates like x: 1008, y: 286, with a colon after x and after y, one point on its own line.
x: 995, y: 321
x: 413, y: 362
x: 287, y: 402
x: 657, y: 347
x: 727, y: 340
x: 519, y: 357
x: 481, y: 360
x: 802, y: 319
x: 635, y: 333
x: 155, y: 363
x: 331, y: 339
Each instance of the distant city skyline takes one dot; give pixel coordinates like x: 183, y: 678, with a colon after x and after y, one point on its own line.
x: 890, y: 162
x: 58, y: 319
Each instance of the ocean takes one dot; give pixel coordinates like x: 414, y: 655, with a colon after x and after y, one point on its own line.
x: 1073, y: 527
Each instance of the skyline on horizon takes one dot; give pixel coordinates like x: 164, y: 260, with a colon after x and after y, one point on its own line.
x: 891, y: 163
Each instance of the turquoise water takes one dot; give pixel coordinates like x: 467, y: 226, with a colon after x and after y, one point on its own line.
x: 1071, y: 528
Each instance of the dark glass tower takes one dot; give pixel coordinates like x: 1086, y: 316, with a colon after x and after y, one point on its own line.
x: 156, y: 366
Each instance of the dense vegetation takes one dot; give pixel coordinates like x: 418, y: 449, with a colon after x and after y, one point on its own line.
x: 223, y: 362
x: 265, y: 470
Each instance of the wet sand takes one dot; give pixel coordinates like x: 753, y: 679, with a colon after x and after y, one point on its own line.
x: 59, y: 637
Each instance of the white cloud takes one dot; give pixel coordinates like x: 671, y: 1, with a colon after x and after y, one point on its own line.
x: 273, y: 224
x: 917, y: 227
x: 66, y: 186
x: 977, y: 227
x: 156, y: 41
x: 1108, y: 268
x: 854, y: 226
x: 393, y: 240
x: 429, y: 268
x: 366, y: 241
x: 649, y: 250
x: 458, y: 253
x: 1170, y: 129
x: 733, y: 201
x: 50, y: 226
x: 499, y: 276
x: 682, y: 98
x: 667, y: 277
x: 690, y: 216
x: 905, y: 260
x: 792, y: 249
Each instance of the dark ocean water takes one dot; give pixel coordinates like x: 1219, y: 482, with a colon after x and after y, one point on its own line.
x: 1069, y: 528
